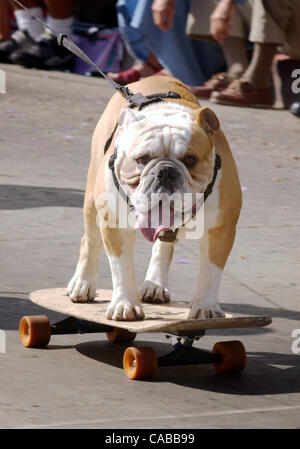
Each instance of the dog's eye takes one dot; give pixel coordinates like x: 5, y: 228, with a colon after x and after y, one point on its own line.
x: 190, y: 161
x: 143, y: 160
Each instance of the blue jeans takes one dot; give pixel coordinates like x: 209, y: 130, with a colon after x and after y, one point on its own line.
x: 173, y: 49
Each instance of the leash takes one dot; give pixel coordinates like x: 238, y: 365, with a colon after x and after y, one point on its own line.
x: 135, y: 100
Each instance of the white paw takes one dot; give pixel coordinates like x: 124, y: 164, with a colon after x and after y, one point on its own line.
x: 124, y: 310
x: 153, y: 293
x: 202, y: 310
x: 81, y: 290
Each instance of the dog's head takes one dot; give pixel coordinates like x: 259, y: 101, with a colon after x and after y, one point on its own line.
x: 165, y: 150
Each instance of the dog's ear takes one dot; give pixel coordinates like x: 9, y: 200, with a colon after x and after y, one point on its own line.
x: 208, y: 120
x: 129, y: 116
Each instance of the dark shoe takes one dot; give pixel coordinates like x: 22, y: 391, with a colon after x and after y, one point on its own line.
x: 295, y: 108
x: 45, y: 54
x: 217, y: 82
x: 20, y: 40
x: 242, y: 93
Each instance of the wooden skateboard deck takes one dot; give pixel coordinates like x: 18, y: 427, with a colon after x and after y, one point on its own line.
x: 168, y: 318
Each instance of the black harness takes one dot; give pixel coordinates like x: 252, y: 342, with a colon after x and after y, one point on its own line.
x: 139, y: 101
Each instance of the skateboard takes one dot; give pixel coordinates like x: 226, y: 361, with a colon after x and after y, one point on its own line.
x: 140, y: 362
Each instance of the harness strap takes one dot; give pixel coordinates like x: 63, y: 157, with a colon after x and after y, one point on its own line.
x: 139, y: 101
x: 209, y: 188
x: 111, y: 164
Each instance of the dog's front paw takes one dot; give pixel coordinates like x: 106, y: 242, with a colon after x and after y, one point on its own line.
x: 202, y: 310
x: 124, y: 310
x: 81, y: 290
x: 153, y: 293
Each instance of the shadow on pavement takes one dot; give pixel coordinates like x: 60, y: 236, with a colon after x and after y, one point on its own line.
x: 266, y: 373
x: 250, y: 309
x: 260, y: 377
x: 13, y: 197
x: 12, y: 309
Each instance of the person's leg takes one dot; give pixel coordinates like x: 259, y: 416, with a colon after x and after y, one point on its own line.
x: 60, y: 15
x: 234, y: 50
x: 4, y: 20
x: 284, y: 16
x: 269, y: 23
x: 292, y: 44
x: 25, y: 21
x: 258, y: 72
x: 28, y: 30
x: 60, y: 9
x: 172, y: 48
x: 27, y: 3
x: 145, y: 62
x: 274, y: 23
x: 133, y: 37
x: 253, y: 88
x: 233, y: 47
x: 45, y: 53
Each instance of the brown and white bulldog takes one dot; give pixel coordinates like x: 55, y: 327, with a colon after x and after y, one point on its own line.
x: 167, y: 147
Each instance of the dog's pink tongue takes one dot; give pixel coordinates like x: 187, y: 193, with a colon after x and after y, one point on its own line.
x: 152, y: 233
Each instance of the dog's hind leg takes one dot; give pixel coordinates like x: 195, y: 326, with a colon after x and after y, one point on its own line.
x: 155, y: 289
x: 82, y: 286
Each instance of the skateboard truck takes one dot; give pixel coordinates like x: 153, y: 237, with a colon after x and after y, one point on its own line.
x: 73, y: 325
x: 184, y: 353
x: 187, y: 337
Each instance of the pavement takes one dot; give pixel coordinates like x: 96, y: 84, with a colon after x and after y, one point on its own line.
x: 46, y: 124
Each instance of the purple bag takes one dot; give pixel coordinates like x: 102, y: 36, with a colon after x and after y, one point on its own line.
x: 105, y: 49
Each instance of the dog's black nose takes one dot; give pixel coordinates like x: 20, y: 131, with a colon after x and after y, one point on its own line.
x: 167, y: 174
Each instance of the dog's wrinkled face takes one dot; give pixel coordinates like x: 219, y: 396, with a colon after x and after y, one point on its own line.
x: 163, y: 151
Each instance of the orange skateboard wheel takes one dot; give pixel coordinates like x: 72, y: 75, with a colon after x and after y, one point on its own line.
x: 119, y: 335
x: 233, y: 356
x: 34, y: 331
x: 140, y: 363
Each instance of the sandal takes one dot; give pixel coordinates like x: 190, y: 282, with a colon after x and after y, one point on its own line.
x: 132, y: 75
x: 162, y: 73
x: 128, y: 76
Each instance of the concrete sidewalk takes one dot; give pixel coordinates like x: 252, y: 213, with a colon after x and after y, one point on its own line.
x: 46, y: 124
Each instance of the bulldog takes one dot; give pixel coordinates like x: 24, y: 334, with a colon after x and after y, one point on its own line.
x: 163, y: 148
